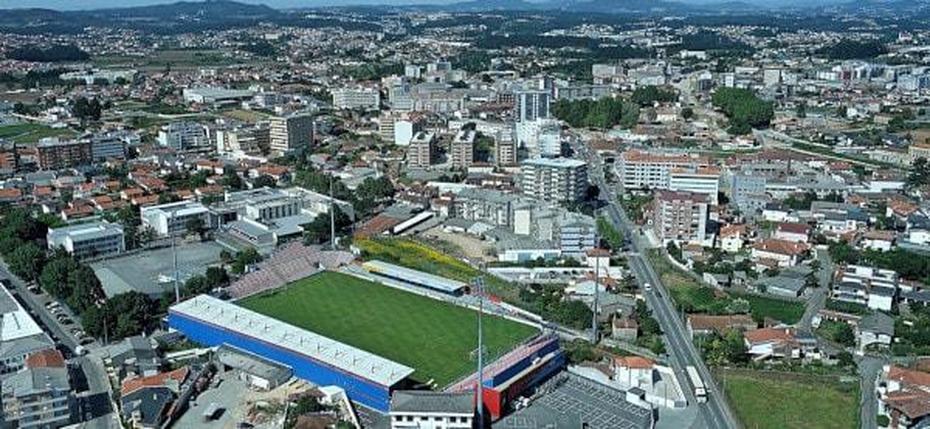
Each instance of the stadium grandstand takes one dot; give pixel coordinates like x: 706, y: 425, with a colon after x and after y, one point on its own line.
x: 290, y: 263
x: 510, y: 376
x: 367, y: 378
x: 416, y: 278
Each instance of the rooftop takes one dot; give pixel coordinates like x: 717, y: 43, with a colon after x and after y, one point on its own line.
x: 415, y: 401
x: 228, y: 316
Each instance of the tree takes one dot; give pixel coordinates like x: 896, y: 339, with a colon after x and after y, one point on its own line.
x: 687, y: 113
x: 232, y: 180
x: 320, y: 229
x: 844, y: 335
x: 609, y: 233
x: 87, y: 110
x: 919, y: 174
x: 216, y: 277
x: 123, y: 315
x: 603, y: 113
x: 744, y: 110
x: 195, y: 225
x: 264, y: 181
x: 26, y: 261
x: 648, y: 95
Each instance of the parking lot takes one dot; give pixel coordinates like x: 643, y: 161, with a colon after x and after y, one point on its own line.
x: 152, y: 271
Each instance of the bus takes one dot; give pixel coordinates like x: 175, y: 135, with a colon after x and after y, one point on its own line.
x: 699, y: 391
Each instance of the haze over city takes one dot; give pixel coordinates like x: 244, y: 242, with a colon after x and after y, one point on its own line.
x: 442, y: 214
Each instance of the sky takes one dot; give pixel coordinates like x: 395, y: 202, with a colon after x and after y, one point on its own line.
x: 97, y: 4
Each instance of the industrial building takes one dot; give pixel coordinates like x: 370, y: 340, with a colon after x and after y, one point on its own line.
x: 367, y: 378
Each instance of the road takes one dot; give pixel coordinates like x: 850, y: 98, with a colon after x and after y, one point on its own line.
x: 95, y: 406
x: 869, y: 367
x: 682, y: 351
x: 818, y: 296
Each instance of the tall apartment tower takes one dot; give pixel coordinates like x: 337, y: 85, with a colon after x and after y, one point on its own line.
x: 291, y: 133
x: 530, y: 105
x: 555, y: 179
x: 421, y: 152
x: 462, y: 149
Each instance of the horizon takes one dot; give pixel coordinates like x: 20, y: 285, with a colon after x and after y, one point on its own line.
x: 73, y: 5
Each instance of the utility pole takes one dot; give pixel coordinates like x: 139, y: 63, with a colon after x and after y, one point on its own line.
x: 332, y: 215
x: 177, y: 274
x: 597, y: 294
x: 479, y: 286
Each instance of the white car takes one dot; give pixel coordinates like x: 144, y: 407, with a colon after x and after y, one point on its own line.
x: 647, y: 287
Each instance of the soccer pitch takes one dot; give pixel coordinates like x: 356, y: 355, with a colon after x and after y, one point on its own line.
x: 435, y: 338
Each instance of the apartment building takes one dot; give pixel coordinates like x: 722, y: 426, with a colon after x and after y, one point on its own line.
x: 421, y: 152
x: 107, y: 146
x: 172, y: 218
x: 558, y: 180
x: 872, y: 287
x: 639, y: 169
x: 357, y: 98
x: 39, y: 396
x: 680, y: 216
x: 462, y: 149
x: 532, y: 105
x: 88, y: 240
x: 184, y: 136
x: 247, y: 140
x: 290, y: 133
x: 55, y: 154
x: 505, y: 150
x: 704, y: 181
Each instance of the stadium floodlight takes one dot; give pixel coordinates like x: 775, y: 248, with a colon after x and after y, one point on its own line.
x: 479, y: 390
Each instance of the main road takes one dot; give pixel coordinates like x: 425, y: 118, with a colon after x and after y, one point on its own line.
x: 682, y: 351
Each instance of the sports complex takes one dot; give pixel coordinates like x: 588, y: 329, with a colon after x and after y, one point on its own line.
x: 334, y: 328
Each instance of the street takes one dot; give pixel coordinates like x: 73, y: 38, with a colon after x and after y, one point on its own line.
x: 95, y: 404
x: 682, y: 351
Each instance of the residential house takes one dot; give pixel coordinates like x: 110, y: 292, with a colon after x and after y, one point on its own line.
x: 705, y: 324
x: 775, y: 253
x: 873, y: 287
x: 794, y: 232
x: 778, y: 342
x: 876, y: 329
x: 903, y: 397
x: 732, y: 238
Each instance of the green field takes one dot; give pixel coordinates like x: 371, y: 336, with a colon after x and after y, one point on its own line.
x: 435, y: 338
x: 764, y: 400
x: 31, y: 133
x: 694, y: 297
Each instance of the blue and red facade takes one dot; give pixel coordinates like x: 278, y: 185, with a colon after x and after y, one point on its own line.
x: 357, y: 387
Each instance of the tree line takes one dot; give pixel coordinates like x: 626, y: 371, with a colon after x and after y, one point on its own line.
x: 51, y: 54
x: 744, y: 110
x: 603, y: 113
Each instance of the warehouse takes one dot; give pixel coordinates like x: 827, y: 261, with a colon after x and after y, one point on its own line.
x: 367, y: 378
x: 416, y: 278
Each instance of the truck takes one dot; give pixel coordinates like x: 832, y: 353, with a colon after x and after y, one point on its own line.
x: 700, y: 392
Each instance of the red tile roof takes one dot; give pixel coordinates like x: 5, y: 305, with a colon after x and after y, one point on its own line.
x: 49, y: 358
x: 133, y: 384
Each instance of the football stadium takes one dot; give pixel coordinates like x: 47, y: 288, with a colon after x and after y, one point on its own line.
x: 368, y: 338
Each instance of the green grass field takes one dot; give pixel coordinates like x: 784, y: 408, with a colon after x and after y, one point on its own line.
x: 785, y: 400
x: 433, y: 337
x: 694, y: 297
x: 31, y: 133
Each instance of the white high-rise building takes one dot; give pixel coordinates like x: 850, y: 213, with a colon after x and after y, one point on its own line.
x: 555, y: 179
x: 357, y: 98
x: 184, y: 136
